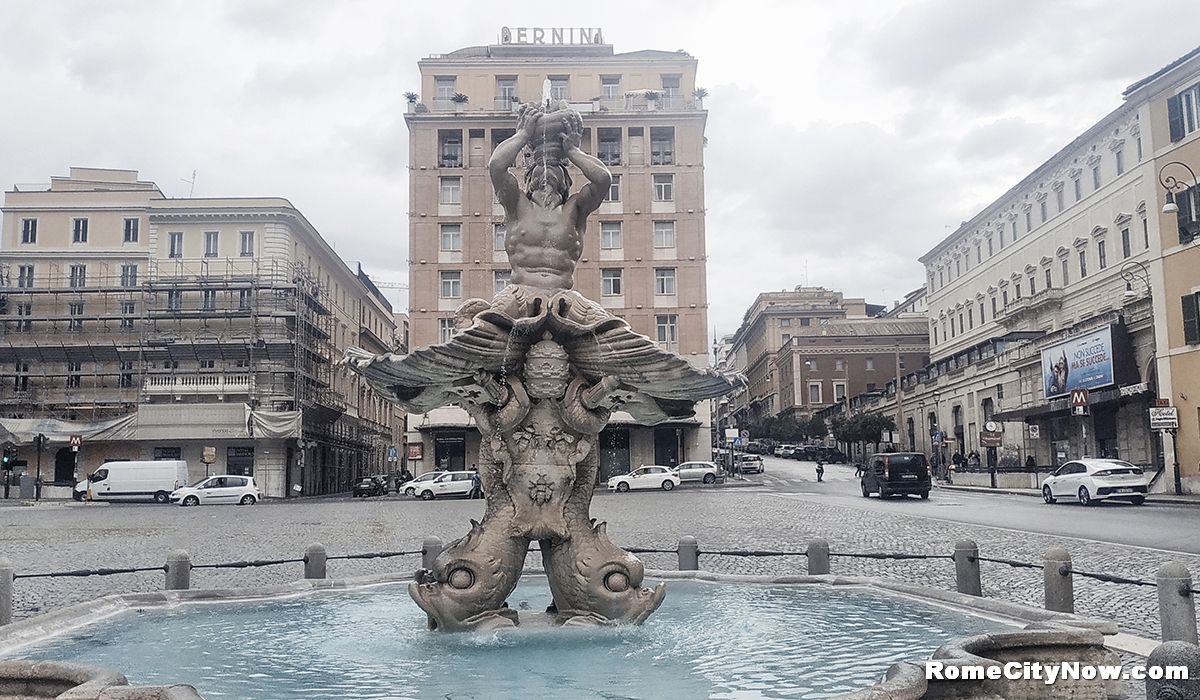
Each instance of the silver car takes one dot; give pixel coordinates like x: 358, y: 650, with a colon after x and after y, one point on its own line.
x: 1090, y: 480
x: 697, y: 471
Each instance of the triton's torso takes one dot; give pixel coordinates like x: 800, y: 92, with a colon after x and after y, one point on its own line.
x: 543, y: 245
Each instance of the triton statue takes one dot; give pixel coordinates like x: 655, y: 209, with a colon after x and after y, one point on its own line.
x: 540, y: 368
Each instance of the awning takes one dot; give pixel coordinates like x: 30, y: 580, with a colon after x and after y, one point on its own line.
x: 1061, y: 406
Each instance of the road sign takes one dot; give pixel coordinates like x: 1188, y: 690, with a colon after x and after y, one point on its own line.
x: 991, y: 438
x: 1079, y: 402
x: 731, y: 433
x: 745, y: 435
x: 1035, y: 431
x: 76, y: 442
x: 209, y: 455
x: 1164, y: 418
x: 739, y: 442
x: 393, y: 454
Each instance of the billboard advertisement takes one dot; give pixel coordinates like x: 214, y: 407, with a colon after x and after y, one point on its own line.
x: 1083, y: 363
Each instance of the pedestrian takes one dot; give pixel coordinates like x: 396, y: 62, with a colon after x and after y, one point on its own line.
x: 859, y: 469
x: 1030, y: 462
x: 973, y: 459
x: 820, y: 470
x: 476, y: 486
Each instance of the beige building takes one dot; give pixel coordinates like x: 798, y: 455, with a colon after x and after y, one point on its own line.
x: 198, y: 329
x: 644, y: 250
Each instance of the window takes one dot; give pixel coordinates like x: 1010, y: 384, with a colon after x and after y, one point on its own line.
x: 1049, y: 279
x: 245, y: 299
x: 445, y: 88
x: 805, y: 321
x: 982, y: 318
x: 1095, y: 177
x: 559, y: 87
x: 174, y: 300
x: 75, y: 308
x: 1126, y: 248
x: 970, y: 324
x: 870, y: 363
x: 1065, y: 272
x: 79, y: 231
x: 501, y: 279
x: 451, y: 190
x: 991, y: 252
x: 168, y: 453
x: 210, y: 244
x: 610, y: 87
x: 1120, y: 162
x: 25, y: 276
x: 1145, y: 234
x: 29, y: 230
x: 247, y: 244
x: 451, y: 238
x: 26, y: 310
x: 1032, y: 285
x: 1102, y: 254
x: 610, y: 235
x: 670, y: 86
x: 208, y: 300
x: 126, y: 375
x: 1004, y: 298
x: 451, y: 284
x: 446, y: 330
x: 610, y: 283
x: 839, y: 364
x: 79, y: 275
x: 978, y: 253
x: 498, y: 236
x: 787, y: 340
x: 1017, y: 287
x: 506, y: 92
x: 450, y: 150
x: 662, y: 145
x: 614, y: 190
x: 957, y: 267
x: 1059, y: 199
x: 1042, y: 210
x: 175, y: 244
x: 664, y: 280
x: 129, y: 275
x: 664, y: 188
x: 208, y: 364
x: 1082, y: 264
x: 839, y: 392
x: 1183, y: 112
x: 664, y: 234
x: 665, y: 328
x: 73, y: 377
x: 814, y: 393
x: 131, y: 230
x: 1191, y: 319
x: 609, y: 151
x: 1028, y: 222
x: 1078, y: 184
x: 1014, y: 232
x: 128, y: 308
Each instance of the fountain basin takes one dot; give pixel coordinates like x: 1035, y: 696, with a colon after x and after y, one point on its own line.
x: 763, y: 638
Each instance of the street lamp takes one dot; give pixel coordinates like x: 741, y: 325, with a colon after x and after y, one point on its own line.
x: 1135, y: 270
x: 1172, y: 185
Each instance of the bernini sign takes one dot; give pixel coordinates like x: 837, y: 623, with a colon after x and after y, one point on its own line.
x: 552, y: 35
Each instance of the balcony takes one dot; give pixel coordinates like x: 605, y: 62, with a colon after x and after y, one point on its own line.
x: 200, y: 383
x: 1031, y: 306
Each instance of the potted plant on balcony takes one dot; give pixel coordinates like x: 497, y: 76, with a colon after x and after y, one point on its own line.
x: 652, y: 98
x: 411, y: 98
x: 700, y: 94
x: 459, y: 99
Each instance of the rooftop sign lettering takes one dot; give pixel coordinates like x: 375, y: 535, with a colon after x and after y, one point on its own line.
x: 555, y: 35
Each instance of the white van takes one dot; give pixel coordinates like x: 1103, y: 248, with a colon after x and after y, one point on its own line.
x: 134, y: 481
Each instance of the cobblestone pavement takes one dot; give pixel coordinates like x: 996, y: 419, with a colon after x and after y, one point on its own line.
x: 67, y: 536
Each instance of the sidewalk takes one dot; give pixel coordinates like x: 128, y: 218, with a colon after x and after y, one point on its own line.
x: 1192, y: 499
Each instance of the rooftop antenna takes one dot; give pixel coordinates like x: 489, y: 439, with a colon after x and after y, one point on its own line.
x: 191, y: 182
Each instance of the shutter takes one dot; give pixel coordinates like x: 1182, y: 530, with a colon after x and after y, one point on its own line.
x: 1175, y: 117
x: 1191, y: 320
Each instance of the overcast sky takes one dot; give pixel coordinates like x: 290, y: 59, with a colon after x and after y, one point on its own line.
x: 845, y: 138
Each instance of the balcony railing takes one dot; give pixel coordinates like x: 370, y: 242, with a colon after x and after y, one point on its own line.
x: 204, y: 383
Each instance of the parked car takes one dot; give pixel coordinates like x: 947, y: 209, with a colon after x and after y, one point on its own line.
x: 808, y: 453
x: 133, y: 480
x: 897, y: 473
x: 1091, y: 480
x: 369, y: 486
x: 785, y: 451
x: 240, y: 490
x: 447, y: 484
x: 646, y: 477
x: 749, y: 463
x: 832, y: 455
x: 409, y: 488
x: 697, y: 471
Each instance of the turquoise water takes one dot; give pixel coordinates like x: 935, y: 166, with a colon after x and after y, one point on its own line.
x: 706, y: 641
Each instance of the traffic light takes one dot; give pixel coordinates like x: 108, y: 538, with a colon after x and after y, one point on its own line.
x: 10, y: 455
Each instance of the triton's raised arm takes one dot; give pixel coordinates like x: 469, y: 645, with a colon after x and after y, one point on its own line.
x: 508, y: 190
x: 590, y: 196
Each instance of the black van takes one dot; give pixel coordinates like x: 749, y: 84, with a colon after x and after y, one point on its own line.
x: 892, y: 473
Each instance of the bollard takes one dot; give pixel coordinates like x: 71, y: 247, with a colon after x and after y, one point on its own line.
x: 6, y: 590
x: 689, y: 553
x: 818, y: 557
x: 179, y: 571
x: 430, y: 549
x: 1060, y: 593
x: 966, y: 567
x: 314, y: 561
x: 1176, y: 607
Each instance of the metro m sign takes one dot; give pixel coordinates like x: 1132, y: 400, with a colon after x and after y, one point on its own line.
x: 1079, y: 402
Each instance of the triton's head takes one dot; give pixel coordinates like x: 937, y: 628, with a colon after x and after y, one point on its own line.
x: 552, y: 180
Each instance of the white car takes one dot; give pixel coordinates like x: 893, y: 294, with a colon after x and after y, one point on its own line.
x: 447, y: 484
x: 1090, y: 480
x: 409, y: 488
x: 697, y: 471
x: 651, y: 477
x: 239, y: 490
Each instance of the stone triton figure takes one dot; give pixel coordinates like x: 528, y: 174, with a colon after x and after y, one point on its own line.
x: 540, y: 368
